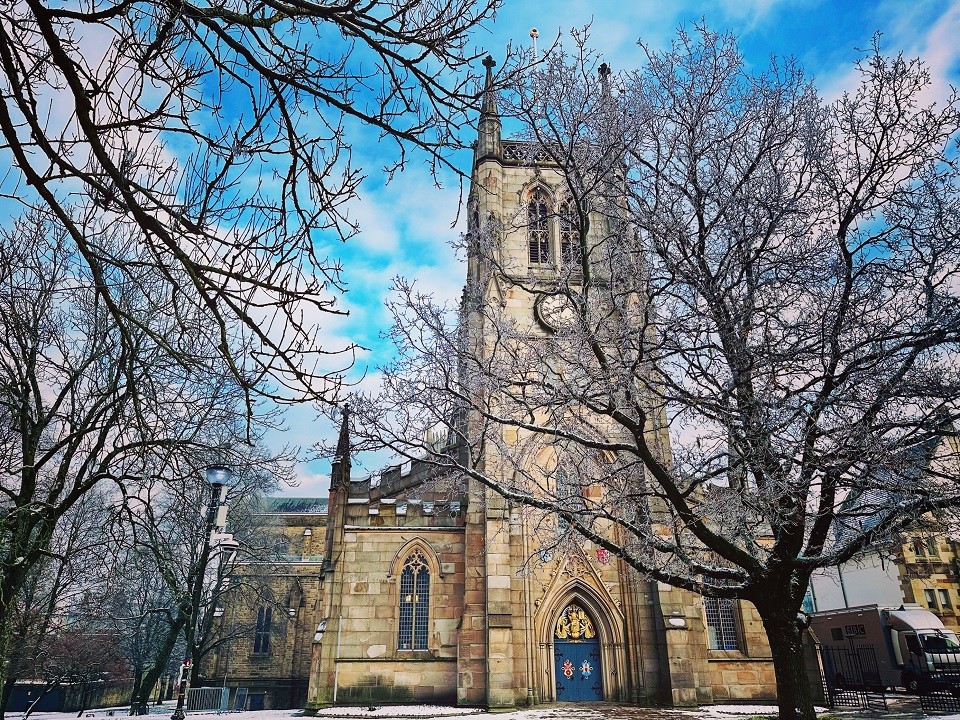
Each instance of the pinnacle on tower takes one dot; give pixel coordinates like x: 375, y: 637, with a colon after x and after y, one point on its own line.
x: 488, y: 140
x: 340, y: 467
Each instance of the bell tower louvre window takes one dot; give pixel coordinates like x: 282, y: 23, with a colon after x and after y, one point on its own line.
x: 538, y: 227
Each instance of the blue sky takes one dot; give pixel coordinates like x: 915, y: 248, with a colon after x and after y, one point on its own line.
x: 406, y: 225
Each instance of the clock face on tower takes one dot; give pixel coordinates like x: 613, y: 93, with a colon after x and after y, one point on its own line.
x: 554, y: 312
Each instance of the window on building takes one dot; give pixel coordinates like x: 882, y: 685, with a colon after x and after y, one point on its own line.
x: 538, y: 227
x: 932, y: 547
x: 919, y: 549
x: 944, y: 598
x: 569, y: 234
x: 721, y: 624
x: 261, y: 636
x: 931, y: 598
x: 414, y: 603
x: 565, y: 485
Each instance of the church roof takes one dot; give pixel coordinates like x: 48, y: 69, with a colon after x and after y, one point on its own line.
x: 295, y: 505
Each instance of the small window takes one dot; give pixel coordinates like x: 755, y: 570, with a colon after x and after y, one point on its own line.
x: 932, y: 547
x: 721, y: 624
x: 538, y: 227
x: 918, y: 548
x: 414, y: 603
x: 930, y: 598
x: 836, y: 633
x: 944, y: 598
x: 261, y: 636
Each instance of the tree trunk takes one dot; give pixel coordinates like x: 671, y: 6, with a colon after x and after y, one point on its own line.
x: 5, y: 692
x: 7, y: 687
x: 135, y: 692
x: 785, y: 635
x: 160, y: 661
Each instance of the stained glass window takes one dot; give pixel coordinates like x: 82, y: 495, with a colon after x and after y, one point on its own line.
x: 539, y: 228
x: 414, y: 603
x: 261, y: 636
x: 721, y: 623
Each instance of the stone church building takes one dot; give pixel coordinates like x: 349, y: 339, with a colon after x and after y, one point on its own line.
x: 401, y: 589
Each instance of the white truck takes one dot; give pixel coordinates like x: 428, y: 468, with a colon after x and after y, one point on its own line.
x: 911, y: 647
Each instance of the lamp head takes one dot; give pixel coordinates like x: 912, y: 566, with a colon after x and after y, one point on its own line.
x: 219, y: 476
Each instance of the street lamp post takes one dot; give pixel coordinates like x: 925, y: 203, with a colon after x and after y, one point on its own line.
x: 217, y: 477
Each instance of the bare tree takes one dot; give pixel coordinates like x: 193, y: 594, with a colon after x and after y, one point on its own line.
x: 751, y: 349
x: 84, y: 406
x: 219, y: 135
x: 61, y: 579
x: 166, y: 524
x: 138, y: 605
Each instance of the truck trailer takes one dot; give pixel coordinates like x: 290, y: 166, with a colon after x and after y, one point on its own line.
x: 911, y: 647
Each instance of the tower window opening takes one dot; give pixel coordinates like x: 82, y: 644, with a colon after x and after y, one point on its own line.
x: 569, y: 234
x: 538, y: 226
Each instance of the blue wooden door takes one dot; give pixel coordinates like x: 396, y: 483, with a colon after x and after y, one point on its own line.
x: 576, y: 653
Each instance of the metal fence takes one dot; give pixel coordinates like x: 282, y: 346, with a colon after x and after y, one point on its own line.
x: 851, y: 678
x: 240, y: 699
x: 207, y: 699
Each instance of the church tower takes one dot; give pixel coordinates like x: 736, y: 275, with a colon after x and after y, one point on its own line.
x: 540, y: 623
x: 546, y: 621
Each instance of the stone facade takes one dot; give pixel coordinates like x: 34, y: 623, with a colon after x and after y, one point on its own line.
x: 930, y: 576
x: 489, y: 643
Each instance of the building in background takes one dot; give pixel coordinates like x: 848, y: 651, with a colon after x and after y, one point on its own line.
x: 924, y: 570
x: 269, y: 627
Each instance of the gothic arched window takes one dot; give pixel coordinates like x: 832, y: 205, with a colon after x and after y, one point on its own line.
x: 538, y: 227
x: 414, y: 603
x: 569, y: 234
x: 261, y: 636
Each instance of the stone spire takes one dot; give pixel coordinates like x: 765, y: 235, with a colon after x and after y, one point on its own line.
x: 488, y: 140
x: 340, y: 467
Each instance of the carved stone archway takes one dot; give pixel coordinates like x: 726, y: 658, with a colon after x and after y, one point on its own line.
x: 607, y: 625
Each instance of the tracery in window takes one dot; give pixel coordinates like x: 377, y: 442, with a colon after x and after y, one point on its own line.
x: 414, y: 603
x: 538, y: 227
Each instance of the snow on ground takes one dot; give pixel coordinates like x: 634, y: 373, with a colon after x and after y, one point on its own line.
x: 398, y: 711
x: 427, y: 712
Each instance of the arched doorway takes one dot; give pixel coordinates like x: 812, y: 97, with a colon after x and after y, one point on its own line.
x: 576, y: 653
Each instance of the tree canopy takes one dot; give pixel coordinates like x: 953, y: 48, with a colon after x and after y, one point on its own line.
x: 753, y: 351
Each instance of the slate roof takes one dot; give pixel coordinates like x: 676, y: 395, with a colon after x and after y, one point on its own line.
x: 294, y: 505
